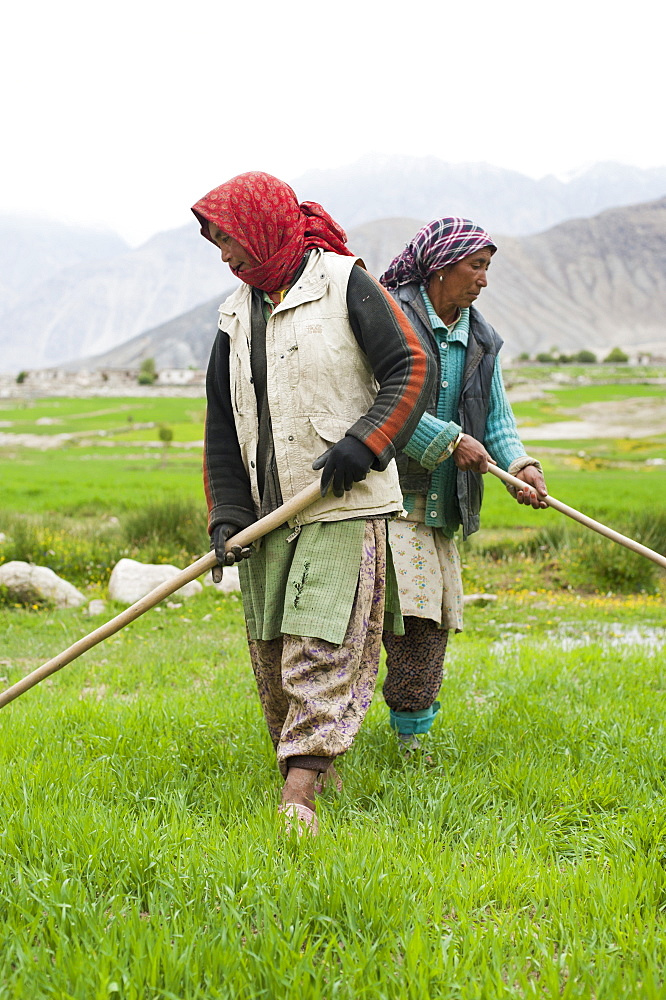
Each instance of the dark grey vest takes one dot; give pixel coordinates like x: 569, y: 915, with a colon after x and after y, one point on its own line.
x: 482, y: 349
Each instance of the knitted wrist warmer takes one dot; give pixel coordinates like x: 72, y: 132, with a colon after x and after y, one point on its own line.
x: 515, y: 468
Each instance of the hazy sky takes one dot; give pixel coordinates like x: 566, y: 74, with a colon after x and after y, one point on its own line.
x: 123, y: 114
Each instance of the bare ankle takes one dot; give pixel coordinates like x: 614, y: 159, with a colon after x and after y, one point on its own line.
x: 300, y: 787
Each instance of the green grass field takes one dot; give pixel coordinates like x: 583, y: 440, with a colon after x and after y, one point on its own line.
x: 92, y: 481
x: 126, y: 469
x: 603, y: 374
x: 114, y: 416
x: 523, y: 856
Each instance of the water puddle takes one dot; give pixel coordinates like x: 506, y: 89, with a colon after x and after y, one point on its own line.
x: 570, y: 636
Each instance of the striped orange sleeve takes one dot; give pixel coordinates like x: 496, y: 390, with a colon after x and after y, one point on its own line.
x: 412, y: 389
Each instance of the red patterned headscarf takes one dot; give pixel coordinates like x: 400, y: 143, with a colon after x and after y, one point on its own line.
x: 262, y: 213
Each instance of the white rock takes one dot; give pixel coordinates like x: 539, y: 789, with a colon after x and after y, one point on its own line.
x: 479, y: 599
x: 96, y: 607
x: 27, y: 583
x: 132, y: 580
x: 230, y: 583
x: 3, y: 537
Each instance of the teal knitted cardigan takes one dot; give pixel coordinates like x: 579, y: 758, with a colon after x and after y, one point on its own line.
x: 434, y: 433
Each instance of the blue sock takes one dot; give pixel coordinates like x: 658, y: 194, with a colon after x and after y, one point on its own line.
x: 409, y: 723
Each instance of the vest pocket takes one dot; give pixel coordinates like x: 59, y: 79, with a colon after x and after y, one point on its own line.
x: 329, y: 428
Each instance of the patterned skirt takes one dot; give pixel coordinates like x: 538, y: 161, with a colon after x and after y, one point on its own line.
x: 427, y: 568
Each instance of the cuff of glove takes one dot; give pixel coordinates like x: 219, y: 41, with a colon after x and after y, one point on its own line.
x: 242, y: 517
x: 516, y: 466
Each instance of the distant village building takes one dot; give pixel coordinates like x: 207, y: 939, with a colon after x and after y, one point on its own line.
x: 102, y: 381
x: 43, y: 378
x: 181, y: 376
x: 647, y: 358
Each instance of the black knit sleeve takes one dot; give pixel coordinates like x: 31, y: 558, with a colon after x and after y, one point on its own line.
x: 226, y: 481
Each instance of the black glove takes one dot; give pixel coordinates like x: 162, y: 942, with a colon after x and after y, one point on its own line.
x: 346, y: 462
x: 221, y: 532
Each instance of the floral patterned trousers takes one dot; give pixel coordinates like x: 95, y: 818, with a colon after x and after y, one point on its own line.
x: 315, y: 694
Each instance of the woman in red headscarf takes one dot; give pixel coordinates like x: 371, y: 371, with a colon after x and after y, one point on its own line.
x: 314, y: 368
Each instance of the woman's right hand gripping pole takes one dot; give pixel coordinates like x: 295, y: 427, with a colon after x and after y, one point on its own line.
x: 227, y: 557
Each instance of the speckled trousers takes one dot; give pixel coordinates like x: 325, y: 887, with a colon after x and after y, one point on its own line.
x: 414, y: 664
x: 315, y: 694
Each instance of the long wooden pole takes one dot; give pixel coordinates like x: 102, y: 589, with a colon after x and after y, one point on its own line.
x: 589, y: 522
x: 261, y: 527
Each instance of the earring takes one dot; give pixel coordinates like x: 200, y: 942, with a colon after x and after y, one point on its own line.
x: 441, y: 277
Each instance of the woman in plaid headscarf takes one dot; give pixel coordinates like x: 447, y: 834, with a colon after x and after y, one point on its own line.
x: 468, y: 424
x: 314, y: 368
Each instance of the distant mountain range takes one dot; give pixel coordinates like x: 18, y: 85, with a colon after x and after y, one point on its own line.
x: 593, y: 283
x: 34, y: 250
x: 589, y: 283
x: 502, y: 201
x: 68, y: 294
x: 94, y: 306
x: 187, y: 339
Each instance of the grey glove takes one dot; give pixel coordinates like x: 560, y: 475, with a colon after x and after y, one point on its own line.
x: 221, y: 533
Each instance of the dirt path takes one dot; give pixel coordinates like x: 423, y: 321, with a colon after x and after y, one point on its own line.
x: 627, y: 418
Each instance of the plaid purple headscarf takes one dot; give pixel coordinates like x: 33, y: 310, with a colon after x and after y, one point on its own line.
x: 442, y: 242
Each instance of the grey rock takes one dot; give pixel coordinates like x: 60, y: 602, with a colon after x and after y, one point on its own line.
x: 27, y: 583
x: 92, y: 307
x: 33, y: 250
x: 131, y: 580
x: 503, y: 201
x: 178, y: 343
x: 596, y: 283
